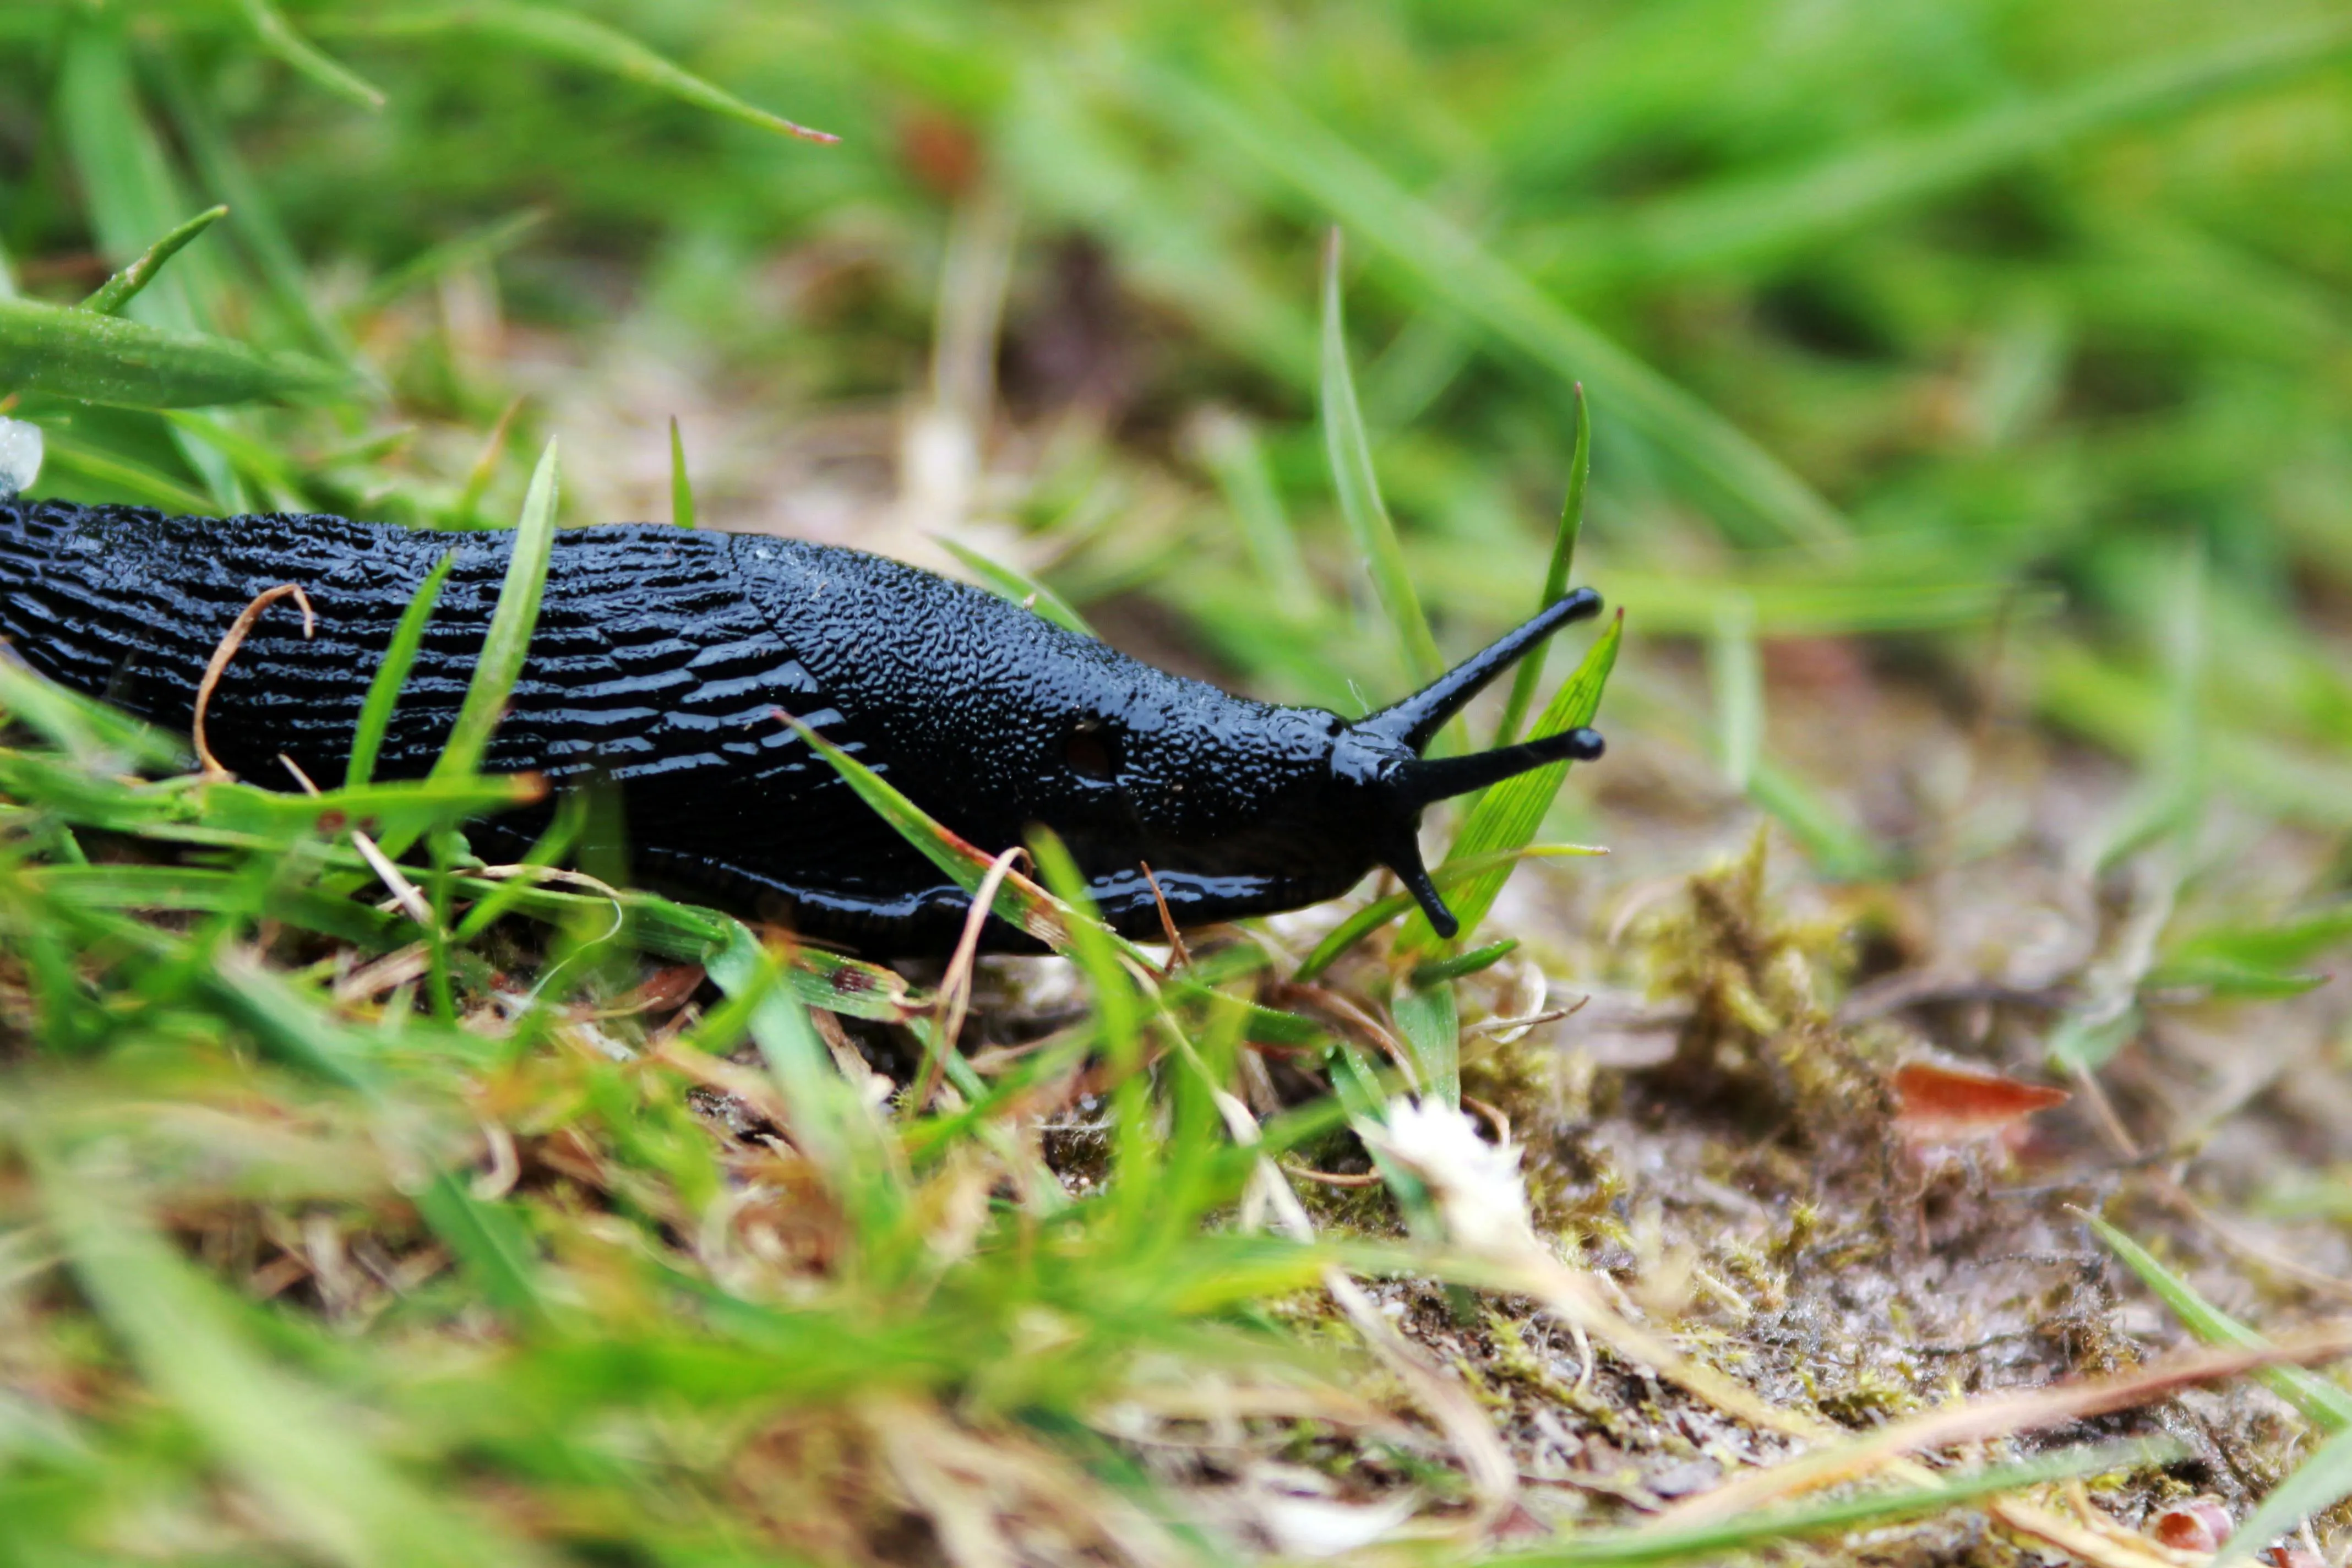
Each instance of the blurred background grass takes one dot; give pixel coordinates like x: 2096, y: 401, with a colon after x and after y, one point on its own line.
x: 1996, y: 353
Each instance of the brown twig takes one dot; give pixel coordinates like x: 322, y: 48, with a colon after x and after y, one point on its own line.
x: 229, y: 644
x: 955, y: 986
x: 1178, y: 958
x: 1348, y: 1012
x: 1333, y: 1178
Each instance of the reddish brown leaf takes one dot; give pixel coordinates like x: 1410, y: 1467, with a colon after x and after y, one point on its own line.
x: 2201, y: 1524
x: 1939, y: 1104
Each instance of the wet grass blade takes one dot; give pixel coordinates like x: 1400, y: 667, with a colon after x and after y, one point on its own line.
x: 508, y: 642
x: 1358, y: 487
x: 399, y: 658
x: 582, y: 41
x: 119, y: 290
x: 1529, y: 675
x: 134, y: 194
x: 103, y: 359
x: 275, y: 34
x: 1507, y: 816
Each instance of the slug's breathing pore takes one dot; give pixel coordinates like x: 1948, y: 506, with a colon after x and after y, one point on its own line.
x: 656, y: 668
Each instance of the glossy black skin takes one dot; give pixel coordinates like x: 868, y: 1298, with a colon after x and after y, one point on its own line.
x: 660, y: 660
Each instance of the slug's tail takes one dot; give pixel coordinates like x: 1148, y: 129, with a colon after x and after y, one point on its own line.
x: 1414, y: 723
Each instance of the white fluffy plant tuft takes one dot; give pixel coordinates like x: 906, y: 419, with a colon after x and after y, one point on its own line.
x: 20, y: 455
x: 1476, y: 1185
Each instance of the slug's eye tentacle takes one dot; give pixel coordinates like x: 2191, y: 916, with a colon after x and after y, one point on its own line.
x: 1414, y: 721
x: 1425, y: 779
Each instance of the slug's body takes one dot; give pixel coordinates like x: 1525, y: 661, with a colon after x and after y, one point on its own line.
x: 662, y: 661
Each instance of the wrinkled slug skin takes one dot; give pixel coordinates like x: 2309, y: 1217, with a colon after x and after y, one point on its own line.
x: 659, y: 661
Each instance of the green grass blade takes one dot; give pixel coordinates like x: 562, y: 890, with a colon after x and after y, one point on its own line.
x: 1431, y: 1023
x: 1507, y: 816
x: 275, y: 34
x: 582, y: 41
x: 1839, y: 849
x: 104, y: 359
x: 1119, y: 1018
x: 1446, y: 260
x: 1230, y: 449
x: 1529, y: 674
x: 1359, y: 487
x: 2326, y: 1404
x: 134, y: 194
x: 1714, y: 1542
x: 100, y: 740
x: 1018, y: 586
x: 120, y: 477
x: 399, y: 658
x: 1117, y: 1009
x: 119, y: 290
x: 252, y: 456
x: 508, y: 642
x: 1433, y: 970
x: 489, y: 1243
x: 260, y: 233
x: 828, y: 1122
x: 1019, y: 902
x: 472, y: 248
x: 681, y: 486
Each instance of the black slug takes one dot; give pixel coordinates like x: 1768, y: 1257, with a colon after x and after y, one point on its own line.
x: 661, y: 660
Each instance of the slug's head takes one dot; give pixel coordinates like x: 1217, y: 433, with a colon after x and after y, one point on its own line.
x: 1381, y: 782
x: 1244, y: 808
